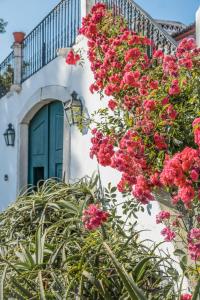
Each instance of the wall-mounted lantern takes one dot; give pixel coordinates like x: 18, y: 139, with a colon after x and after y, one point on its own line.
x: 9, y: 135
x: 73, y: 109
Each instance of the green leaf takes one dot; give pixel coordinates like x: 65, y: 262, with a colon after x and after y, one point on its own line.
x: 2, y: 283
x: 21, y: 289
x: 27, y: 256
x: 42, y: 292
x: 141, y: 267
x: 196, y: 294
x: 69, y: 206
x: 183, y: 263
x: 113, y: 190
x: 134, y: 292
x: 179, y: 252
x: 40, y: 239
x: 97, y: 284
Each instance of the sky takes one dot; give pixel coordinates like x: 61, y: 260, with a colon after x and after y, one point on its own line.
x: 24, y: 15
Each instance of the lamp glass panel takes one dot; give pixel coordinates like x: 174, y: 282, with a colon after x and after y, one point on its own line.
x: 11, y: 138
x: 6, y: 138
x: 69, y: 115
x: 76, y: 113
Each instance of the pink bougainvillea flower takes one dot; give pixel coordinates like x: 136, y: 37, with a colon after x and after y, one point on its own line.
x: 194, y: 175
x: 194, y: 243
x: 131, y: 78
x: 93, y: 217
x: 196, y: 129
x: 154, y: 84
x: 195, y: 233
x: 174, y: 89
x: 186, y: 297
x: 132, y: 54
x: 185, y: 46
x: 72, y: 58
x: 149, y: 105
x: 158, y: 54
x: 165, y: 101
x: 102, y: 148
x: 194, y: 250
x: 168, y: 234
x: 160, y: 141
x: 142, y: 191
x: 112, y: 104
x: 186, y: 193
x: 163, y: 215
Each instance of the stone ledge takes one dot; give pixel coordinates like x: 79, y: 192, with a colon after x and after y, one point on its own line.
x: 63, y: 52
x: 16, y: 88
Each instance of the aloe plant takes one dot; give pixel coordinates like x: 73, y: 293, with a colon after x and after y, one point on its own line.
x: 45, y: 252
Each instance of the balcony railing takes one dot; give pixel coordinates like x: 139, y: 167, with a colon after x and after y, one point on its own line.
x: 6, y: 74
x: 57, y: 30
x: 142, y: 23
x: 60, y: 28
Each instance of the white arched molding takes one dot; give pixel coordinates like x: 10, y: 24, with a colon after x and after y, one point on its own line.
x: 40, y: 98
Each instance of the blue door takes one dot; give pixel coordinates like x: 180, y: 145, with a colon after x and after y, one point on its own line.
x: 46, y: 143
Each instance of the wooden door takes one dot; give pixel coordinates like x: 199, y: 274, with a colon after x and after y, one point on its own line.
x: 46, y: 143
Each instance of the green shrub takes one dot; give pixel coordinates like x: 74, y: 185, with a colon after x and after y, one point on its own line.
x: 47, y: 254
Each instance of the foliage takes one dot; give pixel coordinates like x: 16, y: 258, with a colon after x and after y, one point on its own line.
x: 2, y: 25
x: 6, y: 80
x: 47, y: 254
x: 150, y: 131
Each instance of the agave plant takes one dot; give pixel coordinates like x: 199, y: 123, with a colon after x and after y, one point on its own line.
x: 46, y: 253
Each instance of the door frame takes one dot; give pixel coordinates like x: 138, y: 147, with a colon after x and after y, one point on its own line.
x: 41, y: 98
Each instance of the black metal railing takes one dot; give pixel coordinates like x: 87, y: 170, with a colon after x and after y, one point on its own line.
x: 142, y: 23
x: 6, y: 74
x: 60, y: 28
x: 57, y: 30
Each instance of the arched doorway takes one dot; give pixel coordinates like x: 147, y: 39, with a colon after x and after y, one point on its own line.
x: 46, y: 143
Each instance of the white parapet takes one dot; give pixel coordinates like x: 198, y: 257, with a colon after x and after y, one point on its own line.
x: 16, y: 86
x: 86, y: 5
x: 83, y: 8
x: 198, y: 27
x: 89, y: 4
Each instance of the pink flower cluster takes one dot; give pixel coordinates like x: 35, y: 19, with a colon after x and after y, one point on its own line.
x: 196, y: 129
x: 89, y: 23
x: 102, y: 148
x: 182, y: 171
x: 114, y: 73
x: 128, y: 159
x: 168, y: 234
x: 163, y: 215
x: 145, y: 151
x: 93, y: 217
x: 142, y: 190
x: 186, y: 297
x: 72, y: 58
x: 172, y: 64
x: 159, y: 141
x: 194, y: 243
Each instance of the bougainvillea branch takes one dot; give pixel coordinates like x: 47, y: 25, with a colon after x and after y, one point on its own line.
x: 152, y: 130
x: 158, y: 100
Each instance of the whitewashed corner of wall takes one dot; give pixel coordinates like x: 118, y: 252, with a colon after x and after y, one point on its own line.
x: 198, y: 27
x: 63, y: 52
